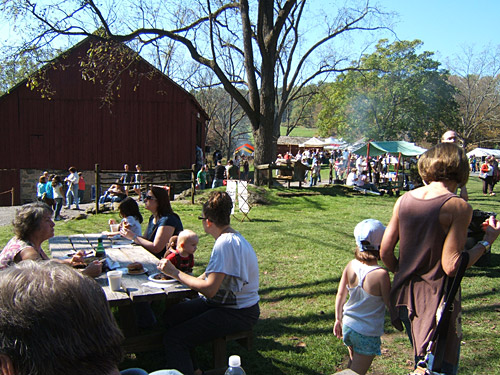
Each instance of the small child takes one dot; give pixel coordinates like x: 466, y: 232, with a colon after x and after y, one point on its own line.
x: 360, y: 321
x: 131, y: 216
x: 182, y: 255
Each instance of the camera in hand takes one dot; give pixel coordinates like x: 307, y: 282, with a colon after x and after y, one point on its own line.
x: 475, y: 233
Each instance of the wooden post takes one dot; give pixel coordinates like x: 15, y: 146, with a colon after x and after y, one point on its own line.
x: 12, y: 197
x: 270, y: 176
x: 193, y: 184
x: 97, y: 187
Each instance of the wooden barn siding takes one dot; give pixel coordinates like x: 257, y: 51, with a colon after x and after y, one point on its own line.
x: 157, y: 132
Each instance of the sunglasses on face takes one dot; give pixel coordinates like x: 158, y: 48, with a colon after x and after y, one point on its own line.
x: 149, y: 198
x: 202, y: 218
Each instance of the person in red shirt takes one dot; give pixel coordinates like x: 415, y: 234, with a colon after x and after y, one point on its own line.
x: 182, y: 255
x: 81, y: 187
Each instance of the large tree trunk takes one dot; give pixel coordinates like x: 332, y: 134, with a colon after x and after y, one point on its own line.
x: 265, y: 145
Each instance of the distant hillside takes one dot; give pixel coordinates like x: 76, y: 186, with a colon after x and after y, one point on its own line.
x: 300, y: 132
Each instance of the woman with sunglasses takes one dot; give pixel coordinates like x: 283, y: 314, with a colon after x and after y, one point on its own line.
x: 163, y: 223
x: 229, y: 288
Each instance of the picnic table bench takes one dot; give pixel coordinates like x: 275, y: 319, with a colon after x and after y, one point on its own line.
x: 135, y: 288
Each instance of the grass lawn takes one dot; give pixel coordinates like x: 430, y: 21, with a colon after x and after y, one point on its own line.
x: 303, y: 243
x: 300, y: 132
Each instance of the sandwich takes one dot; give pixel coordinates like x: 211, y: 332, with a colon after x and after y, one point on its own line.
x: 135, y: 268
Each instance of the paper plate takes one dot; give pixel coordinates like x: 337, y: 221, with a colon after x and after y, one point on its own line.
x: 152, y: 278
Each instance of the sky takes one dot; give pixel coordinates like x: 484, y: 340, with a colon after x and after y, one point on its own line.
x: 446, y: 26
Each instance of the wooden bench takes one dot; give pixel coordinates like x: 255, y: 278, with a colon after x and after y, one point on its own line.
x: 288, y: 179
x: 244, y: 338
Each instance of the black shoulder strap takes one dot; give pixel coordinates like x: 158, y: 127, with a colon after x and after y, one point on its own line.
x: 442, y: 327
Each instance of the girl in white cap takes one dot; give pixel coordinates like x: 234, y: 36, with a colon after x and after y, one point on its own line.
x: 360, y: 321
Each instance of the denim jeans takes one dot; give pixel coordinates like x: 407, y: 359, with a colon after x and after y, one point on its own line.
x: 72, y: 196
x: 217, y: 182
x: 59, y: 203
x: 195, y: 322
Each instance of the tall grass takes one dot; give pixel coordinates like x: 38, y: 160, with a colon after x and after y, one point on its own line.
x: 303, y: 243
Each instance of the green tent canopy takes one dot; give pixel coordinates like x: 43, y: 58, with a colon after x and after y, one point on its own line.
x: 392, y: 147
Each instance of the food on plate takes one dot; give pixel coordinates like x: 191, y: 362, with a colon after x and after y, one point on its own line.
x: 135, y: 267
x: 162, y: 276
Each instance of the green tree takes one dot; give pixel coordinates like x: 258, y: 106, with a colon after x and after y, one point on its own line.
x: 16, y: 67
x: 269, y: 39
x: 395, y: 94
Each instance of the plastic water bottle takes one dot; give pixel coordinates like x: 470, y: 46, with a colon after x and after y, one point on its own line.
x: 235, y: 366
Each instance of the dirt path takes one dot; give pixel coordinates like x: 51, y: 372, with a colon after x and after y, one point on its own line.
x: 7, y: 213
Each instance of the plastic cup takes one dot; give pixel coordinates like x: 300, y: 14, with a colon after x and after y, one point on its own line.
x: 115, y: 280
x: 114, y: 227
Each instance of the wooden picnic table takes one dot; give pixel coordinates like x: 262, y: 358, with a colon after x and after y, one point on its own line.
x: 133, y: 288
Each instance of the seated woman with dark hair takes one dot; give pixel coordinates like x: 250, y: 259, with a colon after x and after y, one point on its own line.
x: 33, y: 225
x: 230, y: 285
x: 163, y: 223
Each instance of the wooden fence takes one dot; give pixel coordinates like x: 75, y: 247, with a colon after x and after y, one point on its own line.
x: 107, y: 178
x: 11, y: 192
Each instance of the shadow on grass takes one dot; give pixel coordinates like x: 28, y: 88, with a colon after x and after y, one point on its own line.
x: 265, y: 220
x: 297, y: 289
x: 492, y: 270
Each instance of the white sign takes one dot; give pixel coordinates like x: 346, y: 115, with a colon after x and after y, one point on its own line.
x: 231, y: 190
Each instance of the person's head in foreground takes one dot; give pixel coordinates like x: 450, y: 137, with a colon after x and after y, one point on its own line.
x: 444, y: 162
x: 368, y: 235
x: 55, y: 321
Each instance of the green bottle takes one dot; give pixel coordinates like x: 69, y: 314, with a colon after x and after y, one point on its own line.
x: 99, y: 252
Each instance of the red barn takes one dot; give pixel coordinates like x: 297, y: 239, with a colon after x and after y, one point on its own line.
x: 151, y: 120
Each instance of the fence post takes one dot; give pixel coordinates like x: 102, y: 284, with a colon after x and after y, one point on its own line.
x: 193, y: 183
x: 97, y: 188
x: 12, y: 196
x: 270, y: 176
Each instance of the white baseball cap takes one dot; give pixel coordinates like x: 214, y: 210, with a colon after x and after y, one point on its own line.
x: 368, y: 234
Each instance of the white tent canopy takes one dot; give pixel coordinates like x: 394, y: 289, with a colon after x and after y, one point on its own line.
x: 334, y: 143
x: 313, y: 142
x: 480, y: 152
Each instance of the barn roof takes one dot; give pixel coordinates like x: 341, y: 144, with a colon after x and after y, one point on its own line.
x: 92, y: 39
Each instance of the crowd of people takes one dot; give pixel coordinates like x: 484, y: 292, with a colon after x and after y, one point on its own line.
x: 429, y: 224
x: 228, y: 303
x: 237, y: 168
x: 344, y: 167
x: 50, y: 190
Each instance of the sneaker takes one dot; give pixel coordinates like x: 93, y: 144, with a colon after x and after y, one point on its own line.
x: 57, y: 219
x: 492, y: 194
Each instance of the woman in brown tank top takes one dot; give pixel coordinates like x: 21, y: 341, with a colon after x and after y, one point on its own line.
x: 430, y: 224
